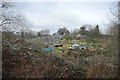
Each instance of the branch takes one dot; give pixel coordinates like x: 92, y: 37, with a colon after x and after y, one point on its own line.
x: 3, y: 4
x: 113, y: 13
x: 4, y: 22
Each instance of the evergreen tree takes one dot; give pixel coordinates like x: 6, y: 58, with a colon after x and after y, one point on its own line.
x: 22, y: 34
x: 83, y: 30
x: 38, y: 34
x: 97, y: 31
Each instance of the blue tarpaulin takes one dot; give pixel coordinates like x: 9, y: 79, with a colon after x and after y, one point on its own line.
x: 46, y: 49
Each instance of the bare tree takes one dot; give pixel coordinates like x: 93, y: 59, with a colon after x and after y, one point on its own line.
x: 12, y: 18
x: 63, y: 31
x: 113, y: 27
x: 43, y: 32
x: 115, y: 11
x: 5, y: 14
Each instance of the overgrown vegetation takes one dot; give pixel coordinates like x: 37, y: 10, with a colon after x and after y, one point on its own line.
x: 22, y: 55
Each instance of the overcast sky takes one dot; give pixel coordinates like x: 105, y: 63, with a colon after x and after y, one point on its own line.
x: 54, y: 15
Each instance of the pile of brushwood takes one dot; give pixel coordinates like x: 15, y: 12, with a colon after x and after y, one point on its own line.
x: 21, y: 61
